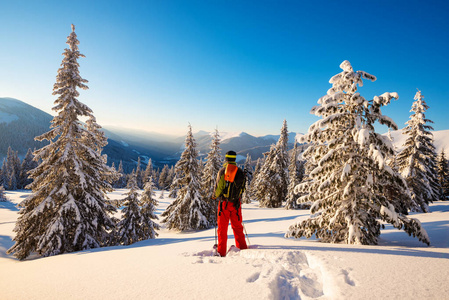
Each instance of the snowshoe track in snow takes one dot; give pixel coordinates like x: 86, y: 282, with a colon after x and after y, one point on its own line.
x: 286, y: 273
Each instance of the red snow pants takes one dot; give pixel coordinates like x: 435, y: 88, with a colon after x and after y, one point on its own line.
x: 227, y: 212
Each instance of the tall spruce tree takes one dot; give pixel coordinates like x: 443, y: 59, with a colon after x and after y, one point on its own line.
x: 148, y: 209
x: 417, y: 160
x: 148, y: 173
x: 347, y: 185
x: 214, y: 162
x: 3, y: 173
x: 443, y: 175
x: 248, y: 169
x: 2, y: 194
x: 11, y: 170
x: 129, y: 229
x: 293, y: 179
x: 139, y: 175
x: 67, y: 211
x: 28, y: 164
x: 257, y: 167
x: 271, y: 182
x: 163, y: 178
x: 189, y: 210
x: 121, y: 180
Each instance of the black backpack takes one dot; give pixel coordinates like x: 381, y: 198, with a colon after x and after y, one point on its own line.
x: 235, y: 185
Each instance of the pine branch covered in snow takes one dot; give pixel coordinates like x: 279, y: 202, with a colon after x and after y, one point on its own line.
x: 67, y: 211
x: 348, y: 179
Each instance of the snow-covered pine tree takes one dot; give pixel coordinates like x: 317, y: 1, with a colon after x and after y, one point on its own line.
x: 443, y: 175
x: 293, y: 179
x: 174, y: 185
x: 161, y: 196
x: 347, y: 185
x: 163, y: 178
x: 11, y: 170
x: 129, y: 229
x: 252, y: 184
x: 28, y: 164
x: 3, y: 173
x: 271, y: 182
x: 189, y: 210
x: 13, y: 181
x: 257, y: 167
x: 169, y: 177
x: 248, y: 169
x: 148, y: 209
x: 2, y: 194
x: 139, y: 175
x: 156, y: 173
x: 417, y: 160
x: 121, y: 181
x: 214, y: 162
x: 148, y: 172
x: 67, y: 211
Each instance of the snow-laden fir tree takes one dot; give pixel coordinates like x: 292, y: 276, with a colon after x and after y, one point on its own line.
x: 139, y: 175
x: 67, y: 211
x: 148, y: 193
x: 120, y: 182
x: 417, y: 160
x: 248, y: 169
x: 163, y: 178
x: 252, y: 184
x: 443, y: 175
x: 2, y: 194
x: 294, y: 178
x: 148, y: 209
x: 28, y: 164
x: 148, y: 173
x: 189, y: 210
x: 214, y: 162
x: 271, y: 181
x: 347, y: 185
x: 174, y: 185
x: 170, y: 177
x: 130, y: 229
x: 3, y: 173
x: 11, y: 170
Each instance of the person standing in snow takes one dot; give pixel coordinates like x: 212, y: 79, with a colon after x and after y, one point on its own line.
x: 228, y: 190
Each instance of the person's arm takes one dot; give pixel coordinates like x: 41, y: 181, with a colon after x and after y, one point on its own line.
x: 220, y: 185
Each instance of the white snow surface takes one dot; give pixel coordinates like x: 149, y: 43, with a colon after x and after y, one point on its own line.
x: 180, y: 266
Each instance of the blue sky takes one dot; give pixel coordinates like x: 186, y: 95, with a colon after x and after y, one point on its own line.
x: 234, y: 65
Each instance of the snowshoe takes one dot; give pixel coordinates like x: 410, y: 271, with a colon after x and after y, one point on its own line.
x: 232, y: 250
x: 215, y: 250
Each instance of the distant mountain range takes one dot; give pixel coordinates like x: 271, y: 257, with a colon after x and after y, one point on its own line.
x: 21, y: 122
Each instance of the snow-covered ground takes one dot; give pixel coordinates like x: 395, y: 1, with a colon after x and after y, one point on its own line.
x: 179, y: 265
